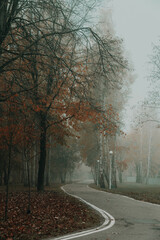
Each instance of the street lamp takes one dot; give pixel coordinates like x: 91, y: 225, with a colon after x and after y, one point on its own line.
x: 110, y: 169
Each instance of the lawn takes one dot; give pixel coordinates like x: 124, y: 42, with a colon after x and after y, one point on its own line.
x: 53, y: 213
x: 143, y: 192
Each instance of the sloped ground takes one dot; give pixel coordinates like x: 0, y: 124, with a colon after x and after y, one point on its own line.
x: 53, y: 213
x: 143, y: 192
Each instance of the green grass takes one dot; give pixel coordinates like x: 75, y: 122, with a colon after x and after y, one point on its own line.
x: 143, y: 192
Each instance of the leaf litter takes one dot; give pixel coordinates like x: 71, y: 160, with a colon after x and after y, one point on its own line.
x: 53, y: 213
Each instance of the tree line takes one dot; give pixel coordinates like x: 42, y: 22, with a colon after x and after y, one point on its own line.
x: 58, y: 76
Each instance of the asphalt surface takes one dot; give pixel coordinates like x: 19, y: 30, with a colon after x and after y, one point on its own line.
x: 134, y: 220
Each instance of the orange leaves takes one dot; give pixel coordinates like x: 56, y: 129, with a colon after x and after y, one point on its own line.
x: 37, y: 108
x: 17, y: 132
x: 55, y: 84
x: 122, y: 165
x: 79, y: 111
x: 15, y: 128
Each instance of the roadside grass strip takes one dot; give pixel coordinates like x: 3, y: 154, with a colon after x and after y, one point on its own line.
x: 140, y: 201
x: 109, y: 221
x: 127, y: 197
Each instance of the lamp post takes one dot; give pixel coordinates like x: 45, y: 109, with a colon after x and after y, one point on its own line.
x: 110, y: 169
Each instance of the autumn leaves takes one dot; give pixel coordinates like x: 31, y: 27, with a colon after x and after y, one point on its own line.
x: 53, y: 70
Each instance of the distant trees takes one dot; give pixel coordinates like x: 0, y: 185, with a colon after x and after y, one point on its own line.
x: 121, y: 158
x: 142, y: 146
x: 63, y: 160
x: 153, y: 97
x: 149, y: 118
x: 112, y: 97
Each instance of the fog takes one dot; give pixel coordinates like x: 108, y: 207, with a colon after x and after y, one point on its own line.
x: 82, y: 173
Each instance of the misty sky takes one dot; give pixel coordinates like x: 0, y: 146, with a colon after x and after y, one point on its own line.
x: 137, y: 22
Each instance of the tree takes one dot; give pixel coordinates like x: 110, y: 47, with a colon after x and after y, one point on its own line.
x: 11, y: 135
x: 8, y: 12
x: 67, y: 75
x: 153, y: 98
x: 56, y: 64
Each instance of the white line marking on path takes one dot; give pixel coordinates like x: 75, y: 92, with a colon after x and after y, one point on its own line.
x: 108, y: 223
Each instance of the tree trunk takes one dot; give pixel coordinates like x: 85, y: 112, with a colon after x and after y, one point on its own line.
x: 42, y: 160
x: 0, y: 178
x: 47, y: 171
x: 149, y: 155
x: 48, y: 165
x: 107, y: 160
x: 120, y: 176
x: 5, y: 174
x: 101, y: 180
x: 25, y: 179
x: 141, y: 153
x: 29, y: 184
x: 8, y: 177
x: 114, y: 180
x: 138, y: 175
x: 93, y: 171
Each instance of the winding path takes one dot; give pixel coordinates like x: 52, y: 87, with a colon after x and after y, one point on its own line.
x: 134, y: 220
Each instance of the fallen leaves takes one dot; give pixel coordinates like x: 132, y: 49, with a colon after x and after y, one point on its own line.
x: 52, y: 214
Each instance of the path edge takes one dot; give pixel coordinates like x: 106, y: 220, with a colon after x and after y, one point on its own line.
x: 109, y: 221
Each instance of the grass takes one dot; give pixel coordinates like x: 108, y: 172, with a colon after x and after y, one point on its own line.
x: 143, y: 192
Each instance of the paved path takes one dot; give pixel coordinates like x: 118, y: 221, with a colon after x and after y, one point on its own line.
x: 134, y: 220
